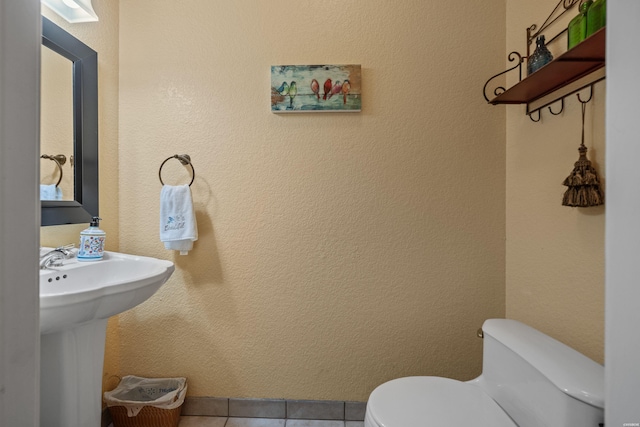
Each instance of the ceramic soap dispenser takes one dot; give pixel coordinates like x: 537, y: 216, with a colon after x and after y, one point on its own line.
x: 92, y: 242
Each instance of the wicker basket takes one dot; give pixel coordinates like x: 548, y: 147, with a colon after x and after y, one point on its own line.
x: 147, y: 417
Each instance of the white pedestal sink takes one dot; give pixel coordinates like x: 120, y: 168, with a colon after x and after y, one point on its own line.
x: 76, y: 300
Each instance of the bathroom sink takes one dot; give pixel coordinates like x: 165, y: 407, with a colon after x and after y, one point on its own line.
x: 76, y: 299
x: 80, y: 292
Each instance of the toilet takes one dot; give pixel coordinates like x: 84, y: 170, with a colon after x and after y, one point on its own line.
x: 528, y: 380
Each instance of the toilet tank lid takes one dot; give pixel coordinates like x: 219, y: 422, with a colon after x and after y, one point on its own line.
x: 570, y: 371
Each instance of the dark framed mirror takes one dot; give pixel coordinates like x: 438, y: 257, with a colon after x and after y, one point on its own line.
x: 84, y: 66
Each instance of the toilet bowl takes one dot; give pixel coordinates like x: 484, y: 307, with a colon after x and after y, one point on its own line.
x: 528, y: 380
x: 427, y: 401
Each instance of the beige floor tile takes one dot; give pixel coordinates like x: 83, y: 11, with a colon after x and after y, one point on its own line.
x: 314, y: 423
x: 255, y: 422
x: 191, y: 421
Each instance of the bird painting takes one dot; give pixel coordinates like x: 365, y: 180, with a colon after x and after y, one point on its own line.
x: 293, y: 91
x: 297, y: 88
x: 315, y: 88
x: 346, y: 88
x: 327, y: 88
x: 283, y: 89
x: 336, y: 89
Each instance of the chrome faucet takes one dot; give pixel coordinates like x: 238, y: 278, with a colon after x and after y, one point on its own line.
x: 55, y: 257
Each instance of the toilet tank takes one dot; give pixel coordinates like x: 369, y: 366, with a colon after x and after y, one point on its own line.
x: 538, y: 380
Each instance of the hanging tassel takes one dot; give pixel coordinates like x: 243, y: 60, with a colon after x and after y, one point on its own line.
x: 583, y: 182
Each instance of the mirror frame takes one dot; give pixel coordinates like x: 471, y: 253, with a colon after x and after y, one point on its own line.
x: 85, y: 129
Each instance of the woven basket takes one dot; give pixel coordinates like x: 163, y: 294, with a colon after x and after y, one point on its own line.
x: 147, y: 417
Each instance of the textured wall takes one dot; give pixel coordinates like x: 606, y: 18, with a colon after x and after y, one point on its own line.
x: 555, y: 254
x: 336, y: 251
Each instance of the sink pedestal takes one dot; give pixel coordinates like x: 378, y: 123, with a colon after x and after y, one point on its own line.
x: 71, y: 364
x: 76, y: 299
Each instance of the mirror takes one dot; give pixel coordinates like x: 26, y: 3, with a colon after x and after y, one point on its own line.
x: 82, y: 170
x: 56, y: 126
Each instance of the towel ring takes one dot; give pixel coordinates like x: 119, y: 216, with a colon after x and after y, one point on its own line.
x: 185, y: 159
x: 59, y: 159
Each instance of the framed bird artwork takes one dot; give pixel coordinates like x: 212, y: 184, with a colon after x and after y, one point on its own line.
x: 316, y: 88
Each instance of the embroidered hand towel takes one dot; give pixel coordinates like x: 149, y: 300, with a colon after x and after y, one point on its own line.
x: 50, y: 192
x: 178, y: 228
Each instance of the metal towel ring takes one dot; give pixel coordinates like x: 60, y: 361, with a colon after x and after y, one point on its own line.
x: 59, y: 159
x: 185, y: 159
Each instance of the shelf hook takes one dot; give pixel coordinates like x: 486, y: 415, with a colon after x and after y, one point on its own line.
x: 561, y: 108
x: 590, y: 95
x: 531, y: 116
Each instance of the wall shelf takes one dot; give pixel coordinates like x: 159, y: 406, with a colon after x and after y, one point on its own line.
x: 570, y: 72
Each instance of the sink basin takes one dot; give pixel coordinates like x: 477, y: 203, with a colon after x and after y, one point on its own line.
x: 80, y: 292
x: 76, y: 299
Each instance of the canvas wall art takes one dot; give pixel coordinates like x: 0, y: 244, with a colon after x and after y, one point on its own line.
x: 316, y: 88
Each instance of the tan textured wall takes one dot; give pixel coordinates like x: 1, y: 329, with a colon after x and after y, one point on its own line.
x: 555, y: 254
x: 101, y: 36
x: 336, y: 251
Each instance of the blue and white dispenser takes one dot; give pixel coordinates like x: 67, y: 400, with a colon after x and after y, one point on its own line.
x: 92, y: 242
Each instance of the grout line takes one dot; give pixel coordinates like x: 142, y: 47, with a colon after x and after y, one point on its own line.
x: 287, y: 408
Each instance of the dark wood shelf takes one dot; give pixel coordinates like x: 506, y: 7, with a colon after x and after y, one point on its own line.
x: 573, y: 65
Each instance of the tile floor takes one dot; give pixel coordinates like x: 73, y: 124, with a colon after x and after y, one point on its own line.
x: 236, y: 412
x: 193, y: 421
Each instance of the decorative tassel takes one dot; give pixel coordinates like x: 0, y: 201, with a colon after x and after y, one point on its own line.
x: 583, y: 182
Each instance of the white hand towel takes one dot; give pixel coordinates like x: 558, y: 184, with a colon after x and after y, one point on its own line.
x: 50, y: 192
x: 178, y: 228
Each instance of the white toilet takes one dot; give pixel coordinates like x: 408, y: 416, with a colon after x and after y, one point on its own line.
x: 528, y: 380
